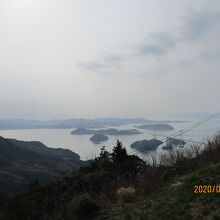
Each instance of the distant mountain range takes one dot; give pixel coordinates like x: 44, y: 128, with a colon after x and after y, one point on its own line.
x: 7, y: 124
x: 110, y: 131
x: 22, y: 163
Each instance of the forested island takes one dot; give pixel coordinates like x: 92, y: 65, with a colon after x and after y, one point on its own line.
x: 98, y: 138
x: 156, y: 127
x: 146, y: 145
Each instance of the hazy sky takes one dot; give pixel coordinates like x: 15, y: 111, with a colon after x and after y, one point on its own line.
x: 95, y: 58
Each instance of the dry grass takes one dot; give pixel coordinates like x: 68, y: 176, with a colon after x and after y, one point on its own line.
x: 126, y: 194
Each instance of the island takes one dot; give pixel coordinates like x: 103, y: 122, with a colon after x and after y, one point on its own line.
x: 146, y: 145
x: 173, y: 142
x: 14, y: 124
x: 158, y: 127
x: 110, y: 131
x: 98, y: 138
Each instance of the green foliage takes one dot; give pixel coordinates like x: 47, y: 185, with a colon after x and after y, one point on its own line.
x: 119, y: 153
x: 216, y: 217
x: 103, y: 161
x: 159, y: 194
x: 118, y: 162
x: 87, y: 207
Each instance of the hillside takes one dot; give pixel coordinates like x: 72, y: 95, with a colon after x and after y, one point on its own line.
x: 175, y: 200
x: 21, y: 163
x: 39, y: 147
x: 120, y: 186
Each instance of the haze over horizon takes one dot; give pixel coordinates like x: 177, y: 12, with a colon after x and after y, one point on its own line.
x: 88, y: 59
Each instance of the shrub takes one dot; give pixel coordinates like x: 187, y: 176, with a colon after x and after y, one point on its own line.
x: 87, y: 206
x: 126, y: 194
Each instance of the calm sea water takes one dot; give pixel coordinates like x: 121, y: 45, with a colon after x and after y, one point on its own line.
x: 87, y: 150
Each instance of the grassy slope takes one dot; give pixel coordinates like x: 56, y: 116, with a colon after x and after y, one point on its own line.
x: 175, y: 201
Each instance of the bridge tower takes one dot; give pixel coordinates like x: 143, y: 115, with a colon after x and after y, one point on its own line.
x: 180, y: 138
x: 154, y: 134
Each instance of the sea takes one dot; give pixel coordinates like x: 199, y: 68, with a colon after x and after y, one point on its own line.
x: 80, y: 144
